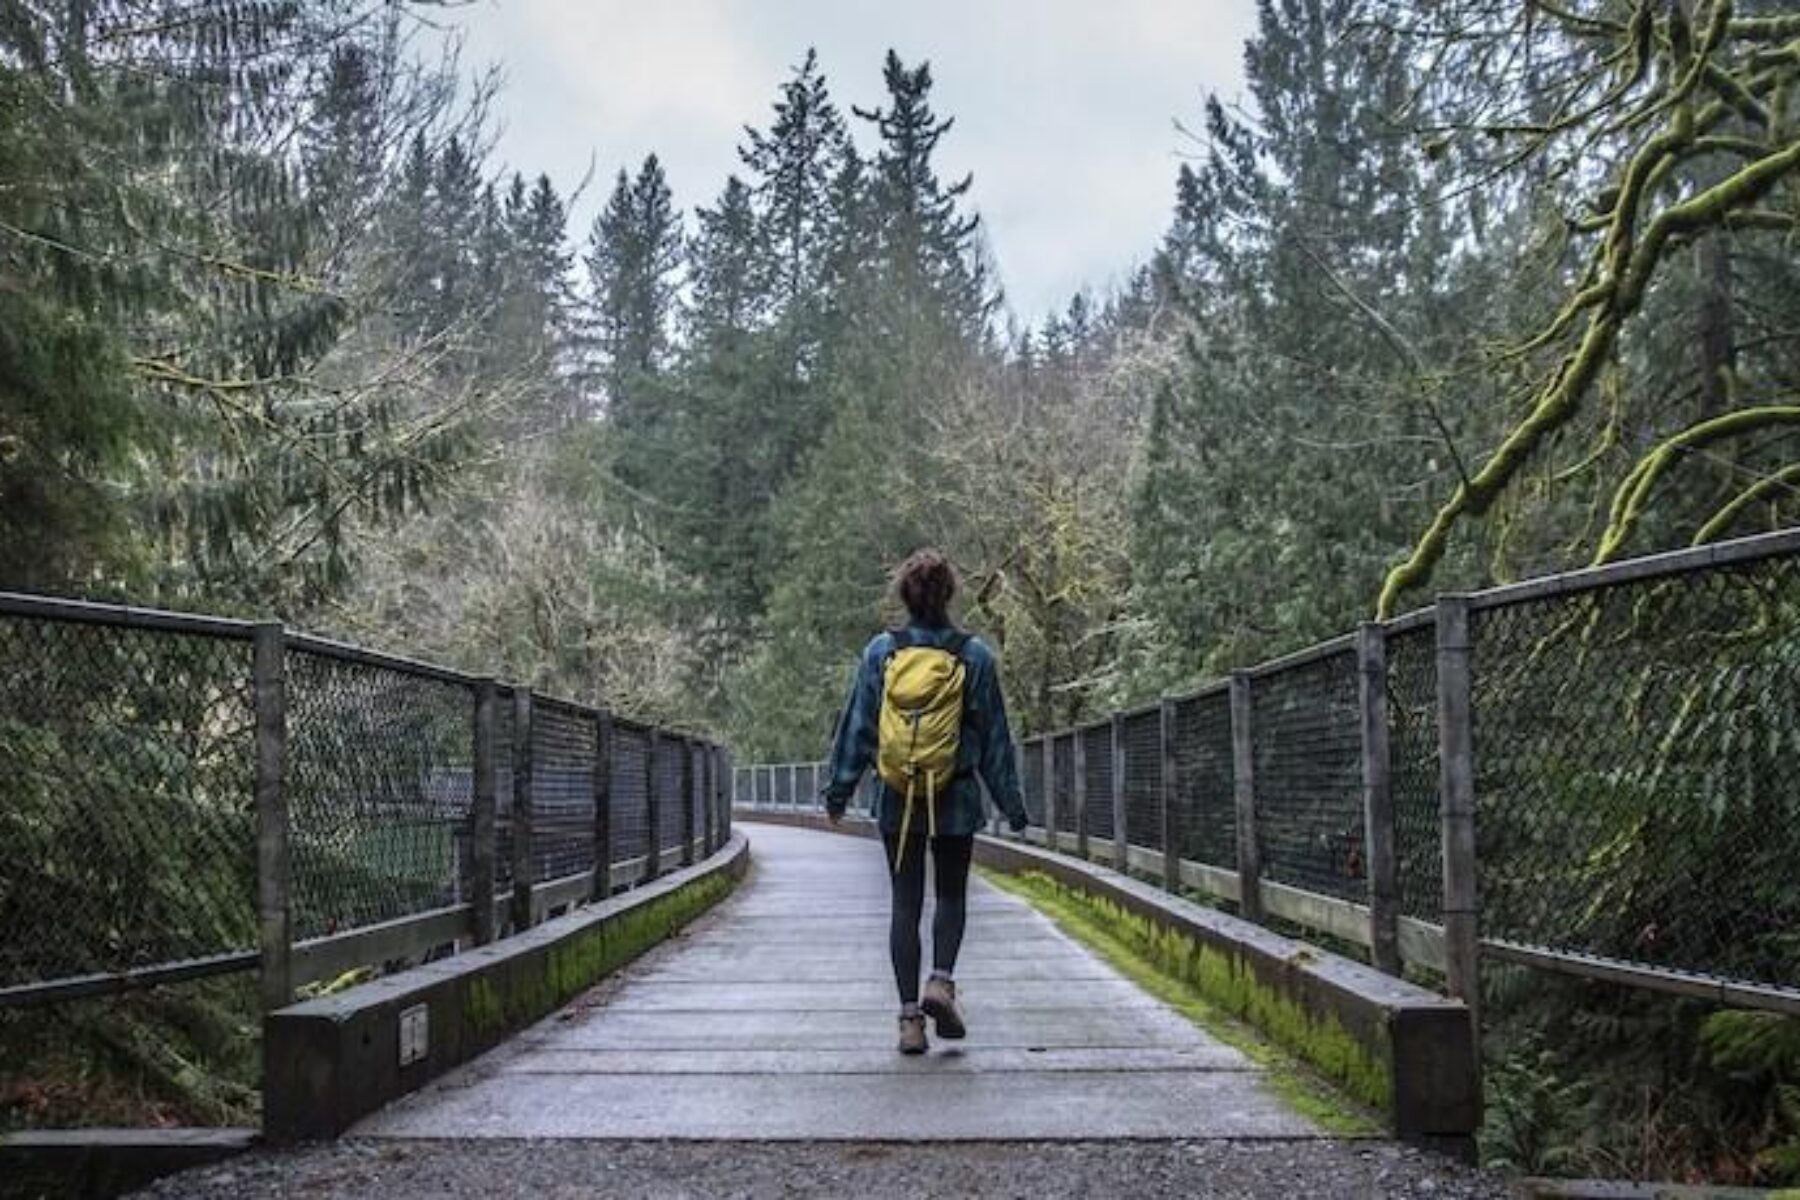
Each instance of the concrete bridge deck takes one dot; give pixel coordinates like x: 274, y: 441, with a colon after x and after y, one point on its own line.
x: 773, y: 1019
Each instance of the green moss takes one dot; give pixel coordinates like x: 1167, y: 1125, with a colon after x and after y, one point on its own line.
x: 577, y: 964
x: 1215, y: 991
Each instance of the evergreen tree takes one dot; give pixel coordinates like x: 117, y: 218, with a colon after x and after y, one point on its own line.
x: 634, y: 261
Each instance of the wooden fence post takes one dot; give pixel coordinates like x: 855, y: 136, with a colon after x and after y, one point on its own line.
x: 709, y: 786
x: 1078, y: 765
x: 603, y: 838
x: 653, y: 849
x: 1243, y: 790
x: 1121, y: 837
x: 481, y: 819
x: 521, y: 810
x: 1170, y: 791
x: 274, y: 857
x: 687, y: 801
x: 1047, y: 748
x: 1378, y: 799
x: 1456, y: 801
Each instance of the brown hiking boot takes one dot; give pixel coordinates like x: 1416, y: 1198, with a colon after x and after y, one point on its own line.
x: 912, y: 1034
x: 939, y: 1003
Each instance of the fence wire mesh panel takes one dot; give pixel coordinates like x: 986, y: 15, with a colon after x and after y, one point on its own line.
x: 1063, y: 752
x: 563, y: 757
x: 697, y: 756
x: 380, y: 785
x: 630, y: 835
x: 668, y: 795
x: 1413, y: 770
x: 1096, y: 749
x: 1308, y: 760
x: 1033, y: 782
x: 784, y: 786
x: 764, y: 785
x: 1637, y: 754
x: 1203, y: 780
x: 127, y: 822
x: 1142, y: 745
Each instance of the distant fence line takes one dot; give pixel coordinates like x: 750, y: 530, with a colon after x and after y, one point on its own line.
x: 1596, y: 773
x: 184, y: 796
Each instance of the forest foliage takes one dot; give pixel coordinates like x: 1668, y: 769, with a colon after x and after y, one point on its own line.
x: 1454, y: 293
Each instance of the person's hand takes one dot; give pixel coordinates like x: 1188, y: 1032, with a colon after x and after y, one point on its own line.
x: 835, y: 816
x: 1018, y: 822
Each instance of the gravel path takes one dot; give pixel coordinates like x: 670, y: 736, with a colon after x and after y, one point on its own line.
x: 550, y: 1170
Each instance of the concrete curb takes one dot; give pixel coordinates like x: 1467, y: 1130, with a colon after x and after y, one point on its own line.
x: 97, y: 1163
x: 331, y: 1061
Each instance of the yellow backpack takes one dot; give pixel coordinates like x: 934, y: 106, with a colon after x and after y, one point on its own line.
x: 920, y: 725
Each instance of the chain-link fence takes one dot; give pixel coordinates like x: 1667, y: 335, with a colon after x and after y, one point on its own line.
x: 127, y: 818
x: 148, y: 755
x: 1635, y: 765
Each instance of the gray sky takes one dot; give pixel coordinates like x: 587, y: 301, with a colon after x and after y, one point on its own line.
x: 1064, y: 109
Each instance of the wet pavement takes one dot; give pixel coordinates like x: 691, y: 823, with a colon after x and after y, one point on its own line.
x: 773, y: 1019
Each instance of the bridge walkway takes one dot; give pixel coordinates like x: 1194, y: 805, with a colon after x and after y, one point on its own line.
x: 773, y: 1019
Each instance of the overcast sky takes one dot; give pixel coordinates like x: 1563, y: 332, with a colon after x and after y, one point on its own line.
x: 1065, y: 109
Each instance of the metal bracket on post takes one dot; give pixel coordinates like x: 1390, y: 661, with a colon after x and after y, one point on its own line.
x: 1047, y: 747
x: 1378, y: 799
x: 481, y: 818
x: 1243, y: 791
x: 1078, y: 765
x: 274, y: 859
x: 653, y: 844
x: 687, y: 801
x: 1170, y: 789
x: 521, y: 810
x: 1121, y: 838
x: 1456, y: 801
x: 603, y: 836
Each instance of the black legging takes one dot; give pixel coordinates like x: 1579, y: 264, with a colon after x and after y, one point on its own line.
x: 950, y: 855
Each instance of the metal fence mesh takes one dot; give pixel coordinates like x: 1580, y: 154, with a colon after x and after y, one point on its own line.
x: 667, y: 782
x: 1308, y: 760
x: 1204, y: 780
x: 127, y: 821
x: 1413, y: 770
x: 380, y: 774
x: 1062, y: 751
x: 1142, y: 747
x: 630, y: 837
x: 1033, y: 781
x: 563, y: 758
x: 1637, y: 754
x: 1096, y: 748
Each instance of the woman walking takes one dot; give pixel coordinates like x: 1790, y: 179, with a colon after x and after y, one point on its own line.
x: 925, y: 709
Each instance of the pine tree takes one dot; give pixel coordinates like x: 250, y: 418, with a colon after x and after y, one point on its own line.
x: 634, y: 261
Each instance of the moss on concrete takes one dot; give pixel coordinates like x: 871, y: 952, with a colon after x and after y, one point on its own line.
x: 506, y: 1000
x: 1215, y: 991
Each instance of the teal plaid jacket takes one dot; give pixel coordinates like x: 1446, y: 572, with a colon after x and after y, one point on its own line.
x: 986, y: 749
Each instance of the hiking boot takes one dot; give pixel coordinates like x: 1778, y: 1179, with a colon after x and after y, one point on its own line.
x: 939, y: 1003
x: 912, y: 1034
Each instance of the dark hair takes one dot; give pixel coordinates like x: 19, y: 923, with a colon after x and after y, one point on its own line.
x: 925, y: 583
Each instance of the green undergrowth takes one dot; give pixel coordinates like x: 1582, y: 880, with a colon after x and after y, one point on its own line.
x: 503, y: 1002
x: 1313, y: 1063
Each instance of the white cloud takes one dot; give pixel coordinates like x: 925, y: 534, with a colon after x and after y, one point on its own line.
x: 1064, y: 109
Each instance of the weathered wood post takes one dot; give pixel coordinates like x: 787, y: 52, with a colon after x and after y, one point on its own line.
x: 521, y: 810
x: 1078, y: 766
x: 709, y: 800
x: 1047, y: 748
x: 482, y: 861
x: 1378, y: 799
x: 687, y: 801
x: 1243, y: 791
x: 653, y: 844
x: 1170, y: 791
x: 1121, y: 837
x: 1456, y: 802
x: 274, y: 856
x: 603, y: 837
